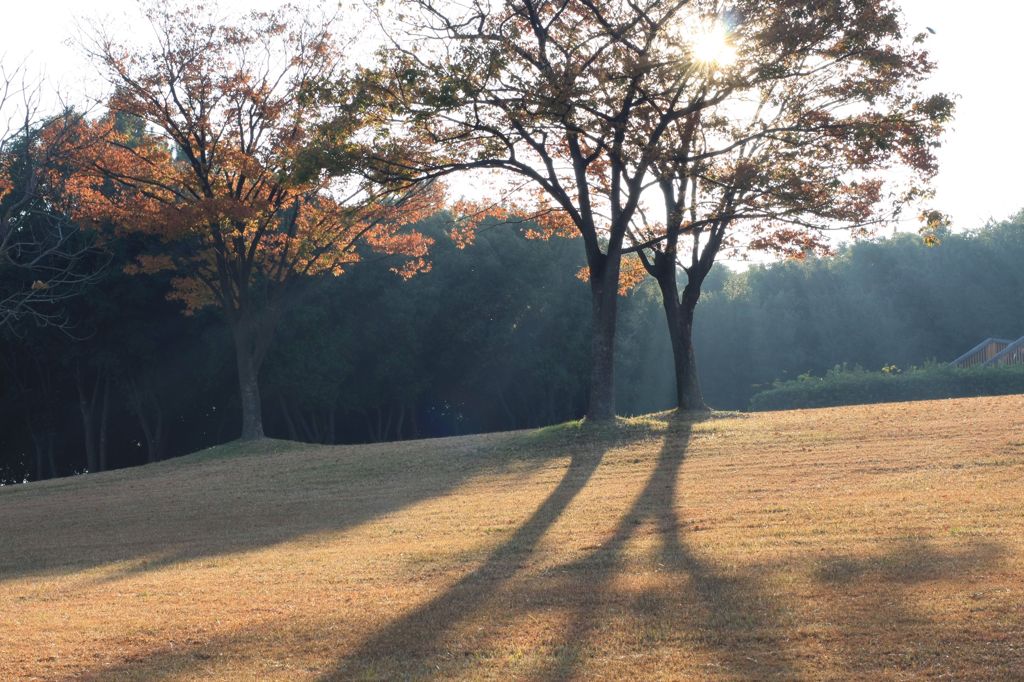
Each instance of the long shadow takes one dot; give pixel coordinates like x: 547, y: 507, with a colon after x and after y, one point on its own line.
x: 734, y: 616
x: 167, y: 515
x: 421, y: 630
x: 418, y: 634
x: 878, y: 594
x: 734, y: 608
x: 727, y: 613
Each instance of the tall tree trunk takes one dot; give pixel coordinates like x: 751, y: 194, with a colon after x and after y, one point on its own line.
x: 37, y: 446
x: 104, y: 422
x: 248, y: 361
x: 51, y: 453
x: 679, y: 315
x: 604, y: 285
x: 688, y: 393
x: 293, y: 434
x: 401, y: 422
x: 87, y: 407
x: 145, y: 403
x: 332, y: 431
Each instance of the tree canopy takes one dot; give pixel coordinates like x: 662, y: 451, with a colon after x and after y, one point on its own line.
x: 214, y: 170
x: 744, y: 125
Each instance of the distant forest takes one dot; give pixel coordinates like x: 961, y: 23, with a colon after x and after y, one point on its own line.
x: 491, y: 338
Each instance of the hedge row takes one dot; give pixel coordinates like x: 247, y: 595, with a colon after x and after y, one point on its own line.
x: 845, y: 386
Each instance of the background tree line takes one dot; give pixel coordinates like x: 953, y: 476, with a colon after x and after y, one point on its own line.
x: 241, y: 165
x: 492, y: 338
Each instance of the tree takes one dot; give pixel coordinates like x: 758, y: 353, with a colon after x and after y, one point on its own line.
x: 215, y: 171
x: 42, y: 252
x: 821, y: 106
x: 601, y: 106
x: 567, y: 100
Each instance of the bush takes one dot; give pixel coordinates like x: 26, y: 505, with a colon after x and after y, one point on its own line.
x: 856, y: 386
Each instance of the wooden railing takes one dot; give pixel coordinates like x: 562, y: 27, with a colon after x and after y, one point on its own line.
x: 1013, y: 354
x: 983, y: 353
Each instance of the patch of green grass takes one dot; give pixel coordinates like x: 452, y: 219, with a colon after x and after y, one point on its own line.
x: 241, y: 448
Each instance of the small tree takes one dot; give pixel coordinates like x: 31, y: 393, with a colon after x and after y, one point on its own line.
x: 215, y: 171
x: 824, y: 128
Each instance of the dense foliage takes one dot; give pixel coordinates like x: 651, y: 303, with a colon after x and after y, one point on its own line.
x: 875, y: 304
x: 856, y: 386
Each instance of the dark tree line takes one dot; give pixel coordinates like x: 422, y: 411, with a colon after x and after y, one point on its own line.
x: 492, y: 338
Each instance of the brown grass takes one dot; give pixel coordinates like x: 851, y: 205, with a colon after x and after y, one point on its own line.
x: 870, y: 542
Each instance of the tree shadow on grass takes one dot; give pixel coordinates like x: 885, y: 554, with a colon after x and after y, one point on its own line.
x: 180, y: 511
x: 418, y: 635
x: 734, y: 614
x: 733, y: 609
x: 731, y: 614
x: 884, y: 600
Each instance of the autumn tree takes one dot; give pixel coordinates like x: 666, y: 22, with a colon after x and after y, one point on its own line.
x: 565, y: 101
x: 44, y: 257
x: 819, y: 125
x: 591, y: 110
x: 214, y: 171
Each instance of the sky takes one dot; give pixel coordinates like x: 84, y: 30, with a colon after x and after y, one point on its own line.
x: 975, y: 45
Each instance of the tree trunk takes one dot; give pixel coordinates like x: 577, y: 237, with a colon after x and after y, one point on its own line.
x: 679, y: 315
x: 154, y: 435
x: 37, y: 446
x: 401, y: 422
x: 86, y: 406
x: 248, y: 363
x: 604, y: 307
x: 142, y: 400
x: 332, y: 431
x: 104, y: 422
x: 51, y: 454
x: 289, y: 423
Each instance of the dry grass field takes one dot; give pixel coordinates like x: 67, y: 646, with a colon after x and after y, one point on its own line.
x: 871, y: 542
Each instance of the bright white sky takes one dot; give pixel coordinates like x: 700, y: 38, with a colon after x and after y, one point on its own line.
x: 976, y: 45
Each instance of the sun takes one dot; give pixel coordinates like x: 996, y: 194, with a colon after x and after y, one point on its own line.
x: 710, y: 45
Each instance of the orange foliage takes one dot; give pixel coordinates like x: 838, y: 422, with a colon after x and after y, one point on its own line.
x: 540, y: 218
x: 631, y: 274
x: 215, y: 166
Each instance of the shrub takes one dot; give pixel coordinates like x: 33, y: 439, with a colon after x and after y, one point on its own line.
x: 856, y: 386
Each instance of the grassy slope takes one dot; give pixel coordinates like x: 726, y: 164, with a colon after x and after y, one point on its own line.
x: 878, y: 542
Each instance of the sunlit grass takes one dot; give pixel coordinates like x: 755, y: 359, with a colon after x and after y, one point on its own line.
x: 869, y: 542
